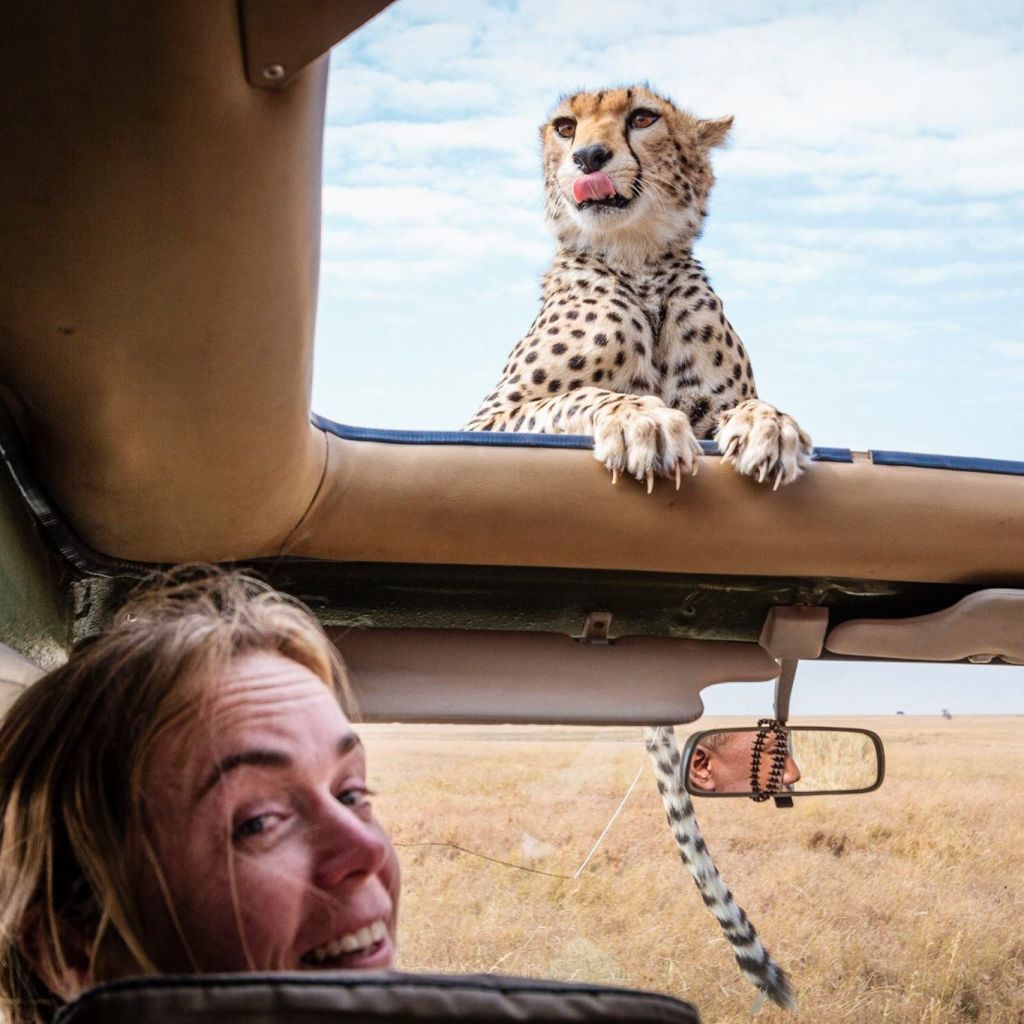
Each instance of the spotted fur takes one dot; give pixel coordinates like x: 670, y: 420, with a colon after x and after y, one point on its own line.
x: 631, y: 343
x: 754, y: 960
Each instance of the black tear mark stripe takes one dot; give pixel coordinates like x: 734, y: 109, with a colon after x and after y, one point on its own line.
x: 638, y: 180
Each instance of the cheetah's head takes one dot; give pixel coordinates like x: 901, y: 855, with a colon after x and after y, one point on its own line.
x: 626, y: 172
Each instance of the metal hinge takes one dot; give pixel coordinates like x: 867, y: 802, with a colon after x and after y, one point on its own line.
x: 596, y: 627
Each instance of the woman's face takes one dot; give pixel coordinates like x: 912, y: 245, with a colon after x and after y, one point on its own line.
x: 261, y: 821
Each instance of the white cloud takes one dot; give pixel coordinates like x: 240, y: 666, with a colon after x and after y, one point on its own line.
x: 995, y: 296
x: 759, y: 262
x: 800, y: 239
x: 425, y: 245
x: 840, y: 199
x: 508, y: 138
x: 1009, y: 349
x: 955, y: 271
x: 365, y: 94
x: 426, y: 46
x: 865, y: 330
x: 403, y: 204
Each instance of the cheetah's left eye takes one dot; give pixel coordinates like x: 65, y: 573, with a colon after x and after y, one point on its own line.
x: 642, y: 119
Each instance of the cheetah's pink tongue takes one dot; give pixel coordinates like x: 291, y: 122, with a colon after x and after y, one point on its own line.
x: 592, y: 186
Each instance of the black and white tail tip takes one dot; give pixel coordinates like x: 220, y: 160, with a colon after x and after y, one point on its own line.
x: 754, y: 960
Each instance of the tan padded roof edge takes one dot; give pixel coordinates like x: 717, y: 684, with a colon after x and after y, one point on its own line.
x: 549, y: 507
x: 156, y: 324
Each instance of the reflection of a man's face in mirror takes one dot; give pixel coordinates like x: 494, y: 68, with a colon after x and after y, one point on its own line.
x: 721, y: 763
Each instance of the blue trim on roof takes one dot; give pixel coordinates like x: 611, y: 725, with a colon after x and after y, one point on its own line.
x: 460, y: 437
x: 498, y: 439
x: 493, y: 439
x: 961, y: 463
x: 831, y: 455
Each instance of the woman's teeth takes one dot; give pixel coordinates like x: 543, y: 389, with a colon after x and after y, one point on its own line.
x: 351, y: 943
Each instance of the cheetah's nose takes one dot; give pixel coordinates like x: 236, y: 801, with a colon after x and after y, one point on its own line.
x: 591, y: 158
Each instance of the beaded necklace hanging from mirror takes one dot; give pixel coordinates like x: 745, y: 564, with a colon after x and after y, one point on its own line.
x: 767, y: 727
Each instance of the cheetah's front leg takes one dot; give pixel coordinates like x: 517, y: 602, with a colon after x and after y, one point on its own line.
x: 640, y: 435
x: 635, y: 434
x: 762, y: 442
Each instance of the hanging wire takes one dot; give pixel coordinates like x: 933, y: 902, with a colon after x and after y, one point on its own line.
x: 493, y: 860
x: 538, y: 871
x: 600, y: 838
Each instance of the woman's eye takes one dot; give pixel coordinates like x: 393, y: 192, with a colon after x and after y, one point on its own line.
x: 357, y: 796
x: 566, y: 129
x: 254, y: 826
x: 642, y: 119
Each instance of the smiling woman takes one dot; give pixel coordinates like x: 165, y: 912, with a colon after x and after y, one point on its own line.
x: 187, y: 795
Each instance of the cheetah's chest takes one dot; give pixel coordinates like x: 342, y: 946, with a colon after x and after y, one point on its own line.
x: 674, y: 335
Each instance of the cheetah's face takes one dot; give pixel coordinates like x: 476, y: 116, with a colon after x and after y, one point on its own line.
x: 625, y: 169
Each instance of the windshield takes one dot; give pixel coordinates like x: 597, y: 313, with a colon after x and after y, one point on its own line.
x: 864, y: 237
x: 890, y: 905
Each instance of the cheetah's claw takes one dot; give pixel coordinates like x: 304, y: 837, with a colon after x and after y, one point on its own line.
x: 646, y: 439
x: 763, y: 443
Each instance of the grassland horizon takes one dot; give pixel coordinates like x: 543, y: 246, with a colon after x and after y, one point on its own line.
x: 899, y: 905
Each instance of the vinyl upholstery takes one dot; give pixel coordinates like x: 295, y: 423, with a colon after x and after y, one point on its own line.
x: 160, y: 223
x: 508, y: 506
x: 364, y: 997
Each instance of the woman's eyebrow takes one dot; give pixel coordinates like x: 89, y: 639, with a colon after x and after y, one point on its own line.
x: 348, y: 742
x: 264, y: 758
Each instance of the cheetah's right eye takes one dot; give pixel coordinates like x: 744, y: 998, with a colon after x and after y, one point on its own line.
x: 641, y: 118
x: 565, y: 127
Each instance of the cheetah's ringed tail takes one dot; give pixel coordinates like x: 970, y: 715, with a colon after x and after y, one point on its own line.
x: 754, y: 960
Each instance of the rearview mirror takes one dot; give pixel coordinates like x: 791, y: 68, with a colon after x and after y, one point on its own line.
x: 774, y: 760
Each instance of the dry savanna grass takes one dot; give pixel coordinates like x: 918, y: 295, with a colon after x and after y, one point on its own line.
x: 900, y: 905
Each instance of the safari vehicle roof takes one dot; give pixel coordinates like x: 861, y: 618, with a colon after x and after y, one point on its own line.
x: 160, y: 228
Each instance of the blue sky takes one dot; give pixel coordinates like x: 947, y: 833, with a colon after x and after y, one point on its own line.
x: 865, y: 233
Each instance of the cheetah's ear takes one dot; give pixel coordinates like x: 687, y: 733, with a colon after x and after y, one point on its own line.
x: 714, y: 133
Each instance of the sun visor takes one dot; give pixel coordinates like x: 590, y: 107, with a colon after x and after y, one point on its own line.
x: 493, y: 677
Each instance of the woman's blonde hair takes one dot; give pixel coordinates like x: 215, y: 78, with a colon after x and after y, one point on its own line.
x: 73, y: 749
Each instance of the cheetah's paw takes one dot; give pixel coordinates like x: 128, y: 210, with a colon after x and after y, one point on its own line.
x: 646, y: 438
x: 762, y: 442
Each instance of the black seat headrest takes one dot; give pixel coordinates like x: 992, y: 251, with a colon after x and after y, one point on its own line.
x: 356, y: 996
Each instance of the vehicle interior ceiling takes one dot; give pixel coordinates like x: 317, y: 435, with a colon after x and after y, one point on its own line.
x: 157, y: 329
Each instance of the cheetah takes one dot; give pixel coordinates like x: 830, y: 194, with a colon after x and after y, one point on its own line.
x: 631, y: 344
